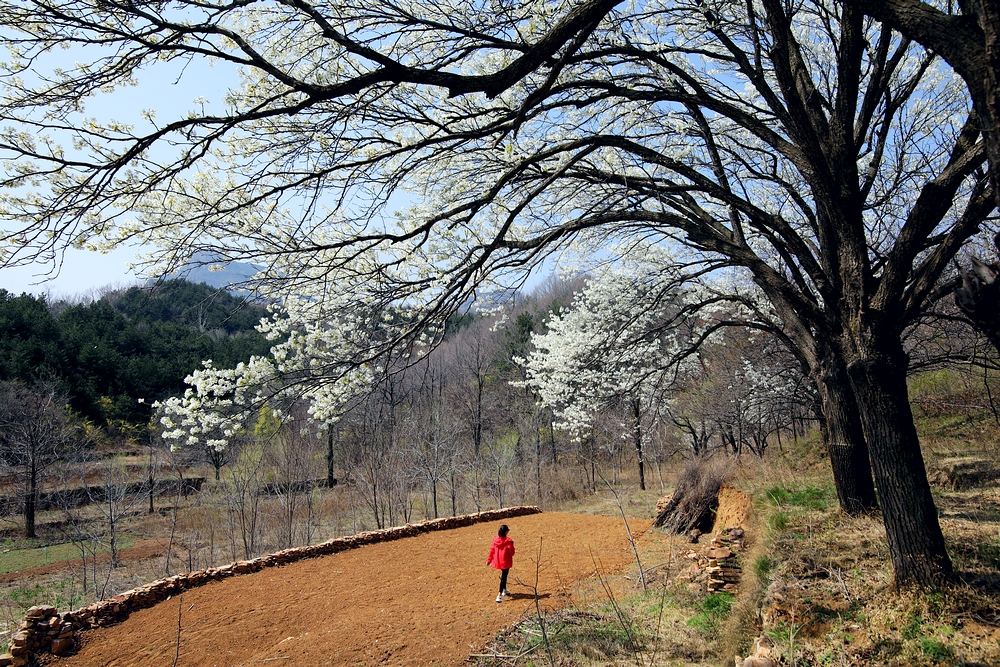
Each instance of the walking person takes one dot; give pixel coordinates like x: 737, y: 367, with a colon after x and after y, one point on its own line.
x: 502, y: 558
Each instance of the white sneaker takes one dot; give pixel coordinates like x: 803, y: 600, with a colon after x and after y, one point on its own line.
x: 506, y: 593
x: 499, y: 598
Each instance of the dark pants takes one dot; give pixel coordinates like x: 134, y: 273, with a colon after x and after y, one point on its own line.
x: 503, y: 579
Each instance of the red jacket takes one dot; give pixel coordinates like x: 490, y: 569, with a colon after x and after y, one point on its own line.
x: 501, y: 553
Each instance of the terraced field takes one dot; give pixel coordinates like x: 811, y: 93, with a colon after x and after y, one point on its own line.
x: 425, y: 600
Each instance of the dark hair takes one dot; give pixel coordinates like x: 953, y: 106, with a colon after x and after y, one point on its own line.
x: 503, y: 530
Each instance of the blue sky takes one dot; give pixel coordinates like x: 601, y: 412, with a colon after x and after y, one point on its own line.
x: 170, y: 89
x: 82, y: 273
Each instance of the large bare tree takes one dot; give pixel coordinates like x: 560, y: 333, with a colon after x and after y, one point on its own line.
x: 833, y: 161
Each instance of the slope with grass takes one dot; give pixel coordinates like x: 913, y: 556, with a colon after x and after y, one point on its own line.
x: 817, y: 586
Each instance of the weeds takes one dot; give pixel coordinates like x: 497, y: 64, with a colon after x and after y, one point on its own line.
x: 809, y: 498
x: 778, y: 521
x: 712, y: 611
x: 627, y: 625
x: 762, y: 567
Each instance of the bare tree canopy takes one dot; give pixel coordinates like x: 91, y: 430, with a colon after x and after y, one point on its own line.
x: 968, y: 40
x: 36, y: 431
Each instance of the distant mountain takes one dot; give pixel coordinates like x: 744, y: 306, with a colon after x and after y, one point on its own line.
x: 198, y: 272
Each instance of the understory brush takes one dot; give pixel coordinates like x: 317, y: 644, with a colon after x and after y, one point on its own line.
x: 816, y: 585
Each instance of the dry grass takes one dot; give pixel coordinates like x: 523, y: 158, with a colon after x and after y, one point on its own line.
x: 816, y: 582
x: 831, y: 599
x: 695, y: 498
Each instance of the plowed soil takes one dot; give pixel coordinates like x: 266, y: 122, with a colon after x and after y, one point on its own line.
x: 425, y: 600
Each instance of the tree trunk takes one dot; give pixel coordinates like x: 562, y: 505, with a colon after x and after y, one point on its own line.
x: 30, y: 495
x: 637, y: 434
x: 845, y: 442
x: 989, y: 21
x: 552, y: 441
x: 454, y: 495
x: 330, y: 481
x: 538, y: 461
x: 916, y: 544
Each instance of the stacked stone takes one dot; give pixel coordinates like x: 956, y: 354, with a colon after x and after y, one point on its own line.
x: 717, y: 569
x: 44, y: 630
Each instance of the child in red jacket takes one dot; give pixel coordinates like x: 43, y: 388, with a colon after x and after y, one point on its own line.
x: 502, y: 558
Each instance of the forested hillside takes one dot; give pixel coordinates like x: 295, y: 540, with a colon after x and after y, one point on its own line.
x: 115, y: 356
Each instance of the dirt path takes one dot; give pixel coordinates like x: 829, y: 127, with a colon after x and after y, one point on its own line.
x: 425, y: 600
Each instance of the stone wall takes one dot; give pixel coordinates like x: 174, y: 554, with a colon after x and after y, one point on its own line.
x: 45, y: 630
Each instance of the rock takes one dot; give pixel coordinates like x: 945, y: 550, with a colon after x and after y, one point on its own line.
x: 20, y: 638
x: 60, y: 646
x: 717, y: 553
x: 6, y: 659
x: 41, y: 611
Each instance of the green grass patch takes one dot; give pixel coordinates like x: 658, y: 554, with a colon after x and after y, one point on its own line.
x: 810, y: 497
x: 711, y: 611
x: 15, y: 560
x: 64, y: 594
x: 777, y: 521
x: 912, y: 629
x: 762, y: 567
x: 935, y: 649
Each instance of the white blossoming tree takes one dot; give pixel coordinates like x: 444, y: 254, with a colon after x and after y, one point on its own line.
x: 640, y: 334
x: 317, y: 359
x: 606, y: 349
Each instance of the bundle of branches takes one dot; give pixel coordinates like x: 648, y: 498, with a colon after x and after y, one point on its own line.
x: 696, y: 497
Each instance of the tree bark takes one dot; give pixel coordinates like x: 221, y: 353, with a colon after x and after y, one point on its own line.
x: 845, y: 442
x: 916, y: 544
x: 637, y: 435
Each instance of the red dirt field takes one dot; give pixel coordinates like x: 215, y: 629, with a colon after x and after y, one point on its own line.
x: 424, y: 600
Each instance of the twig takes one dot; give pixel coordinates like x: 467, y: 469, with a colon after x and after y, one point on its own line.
x: 843, y: 584
x: 659, y: 623
x: 177, y: 648
x: 631, y: 540
x: 619, y: 612
x: 538, y: 608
